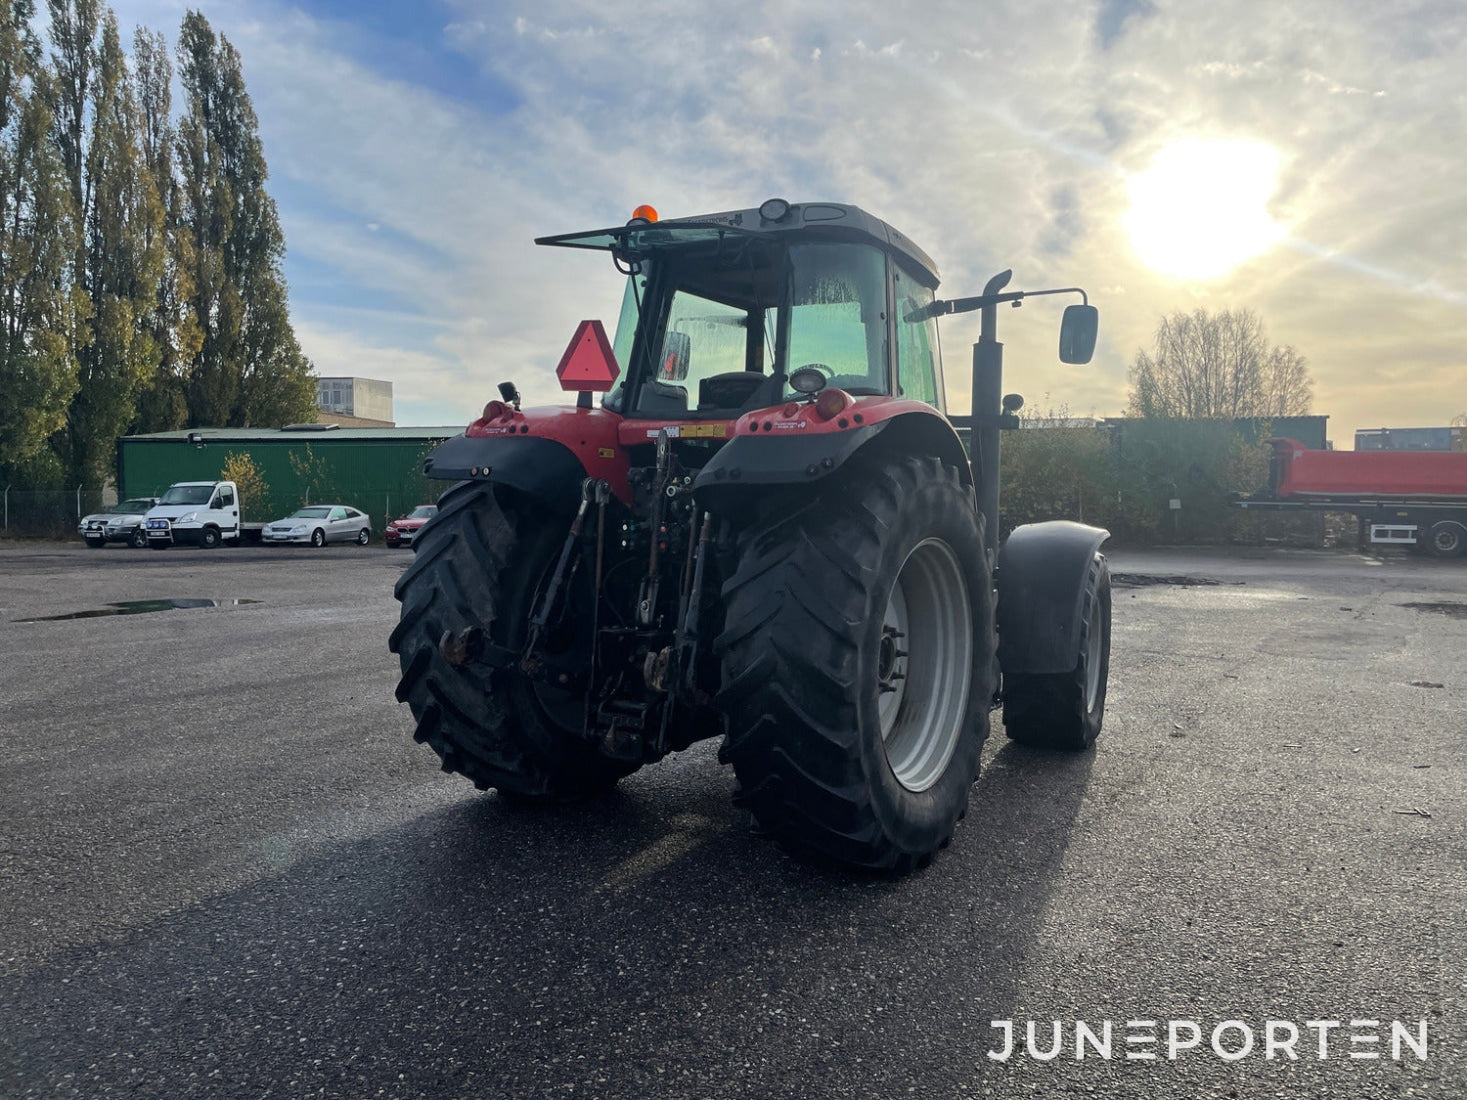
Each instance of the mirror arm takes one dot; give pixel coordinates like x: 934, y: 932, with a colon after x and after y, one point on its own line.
x: 942, y: 307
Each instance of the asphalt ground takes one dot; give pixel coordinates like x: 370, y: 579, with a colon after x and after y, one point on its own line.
x: 226, y: 869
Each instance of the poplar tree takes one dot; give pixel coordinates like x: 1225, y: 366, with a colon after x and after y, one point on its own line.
x: 119, y: 258
x: 249, y: 369
x: 39, y: 312
x: 174, y: 327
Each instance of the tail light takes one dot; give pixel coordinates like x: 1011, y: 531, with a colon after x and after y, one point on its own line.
x: 831, y: 403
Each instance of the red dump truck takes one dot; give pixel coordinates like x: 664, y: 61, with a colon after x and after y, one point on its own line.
x: 1403, y: 498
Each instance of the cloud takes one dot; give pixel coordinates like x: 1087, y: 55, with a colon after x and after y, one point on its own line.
x: 998, y: 135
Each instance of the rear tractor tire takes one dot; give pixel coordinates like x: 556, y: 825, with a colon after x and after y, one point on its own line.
x: 858, y: 665
x: 482, y: 563
x: 1064, y: 710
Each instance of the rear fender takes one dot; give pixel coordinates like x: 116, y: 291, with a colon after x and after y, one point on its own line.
x: 1042, y: 571
x: 544, y: 452
x: 759, y: 453
x: 540, y: 468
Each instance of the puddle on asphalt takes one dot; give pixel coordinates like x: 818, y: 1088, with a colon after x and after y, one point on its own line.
x: 1456, y: 610
x: 138, y: 607
x: 1139, y: 580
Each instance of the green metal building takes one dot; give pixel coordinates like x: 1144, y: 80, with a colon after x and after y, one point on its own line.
x: 379, y: 470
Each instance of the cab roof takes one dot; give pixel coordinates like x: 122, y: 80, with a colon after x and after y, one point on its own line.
x: 639, y: 239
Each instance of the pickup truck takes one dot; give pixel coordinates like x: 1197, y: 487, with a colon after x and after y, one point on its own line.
x: 197, y: 513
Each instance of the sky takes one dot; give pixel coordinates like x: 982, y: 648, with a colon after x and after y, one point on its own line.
x: 1301, y: 158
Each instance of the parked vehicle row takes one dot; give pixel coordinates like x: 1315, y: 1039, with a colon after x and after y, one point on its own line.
x: 206, y: 513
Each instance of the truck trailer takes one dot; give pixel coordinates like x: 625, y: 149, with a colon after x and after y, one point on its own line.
x: 1400, y: 498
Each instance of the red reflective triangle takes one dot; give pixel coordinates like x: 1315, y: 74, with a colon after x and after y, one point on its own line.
x: 588, y: 363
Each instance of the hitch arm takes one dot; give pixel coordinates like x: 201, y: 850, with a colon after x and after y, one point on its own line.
x: 541, y: 618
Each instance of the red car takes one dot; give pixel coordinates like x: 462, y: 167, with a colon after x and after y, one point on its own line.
x: 401, y: 532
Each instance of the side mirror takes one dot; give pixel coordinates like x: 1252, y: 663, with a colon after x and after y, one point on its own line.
x: 1077, y: 334
x: 676, y: 351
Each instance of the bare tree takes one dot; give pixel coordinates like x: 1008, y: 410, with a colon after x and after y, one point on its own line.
x: 1220, y: 365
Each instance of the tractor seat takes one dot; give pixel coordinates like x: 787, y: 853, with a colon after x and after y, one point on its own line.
x: 729, y: 391
x: 662, y: 399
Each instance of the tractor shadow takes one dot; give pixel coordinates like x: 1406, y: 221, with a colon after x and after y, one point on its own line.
x: 642, y: 944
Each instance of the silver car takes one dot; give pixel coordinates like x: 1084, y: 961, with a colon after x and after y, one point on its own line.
x: 319, y: 524
x: 123, y: 522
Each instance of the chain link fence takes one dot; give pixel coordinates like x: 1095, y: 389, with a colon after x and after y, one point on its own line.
x: 49, y: 513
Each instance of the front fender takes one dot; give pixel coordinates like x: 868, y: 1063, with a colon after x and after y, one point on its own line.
x: 1042, y: 571
x: 541, y: 468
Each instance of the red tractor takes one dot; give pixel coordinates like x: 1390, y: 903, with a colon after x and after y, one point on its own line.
x: 769, y: 532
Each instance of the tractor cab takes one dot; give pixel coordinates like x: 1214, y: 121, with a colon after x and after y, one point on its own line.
x: 721, y: 312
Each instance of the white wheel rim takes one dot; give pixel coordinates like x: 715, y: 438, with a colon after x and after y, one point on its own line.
x: 1093, y: 655
x: 924, y: 665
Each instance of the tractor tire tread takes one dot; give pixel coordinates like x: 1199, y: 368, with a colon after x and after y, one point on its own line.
x: 796, y: 608
x: 460, y: 575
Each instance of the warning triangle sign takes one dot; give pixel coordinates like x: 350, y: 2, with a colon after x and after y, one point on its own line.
x: 588, y: 364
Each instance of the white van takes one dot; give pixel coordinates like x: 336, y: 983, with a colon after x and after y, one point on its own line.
x: 195, y: 513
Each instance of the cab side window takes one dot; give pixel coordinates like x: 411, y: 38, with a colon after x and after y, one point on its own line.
x: 919, y: 364
x: 226, y: 499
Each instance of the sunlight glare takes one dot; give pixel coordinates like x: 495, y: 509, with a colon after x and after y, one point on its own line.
x: 1201, y: 208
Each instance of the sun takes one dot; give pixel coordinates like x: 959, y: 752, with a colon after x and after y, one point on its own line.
x: 1201, y: 207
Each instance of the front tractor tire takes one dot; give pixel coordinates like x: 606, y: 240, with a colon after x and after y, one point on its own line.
x: 1064, y: 710
x: 858, y: 666
x: 481, y: 563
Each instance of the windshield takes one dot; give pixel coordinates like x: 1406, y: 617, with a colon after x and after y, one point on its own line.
x: 310, y: 513
x: 708, y: 329
x: 188, y: 494
x: 132, y: 507
x: 715, y: 315
x: 423, y: 511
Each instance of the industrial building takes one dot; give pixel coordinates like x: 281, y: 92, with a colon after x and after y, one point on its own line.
x: 378, y: 470
x: 355, y: 402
